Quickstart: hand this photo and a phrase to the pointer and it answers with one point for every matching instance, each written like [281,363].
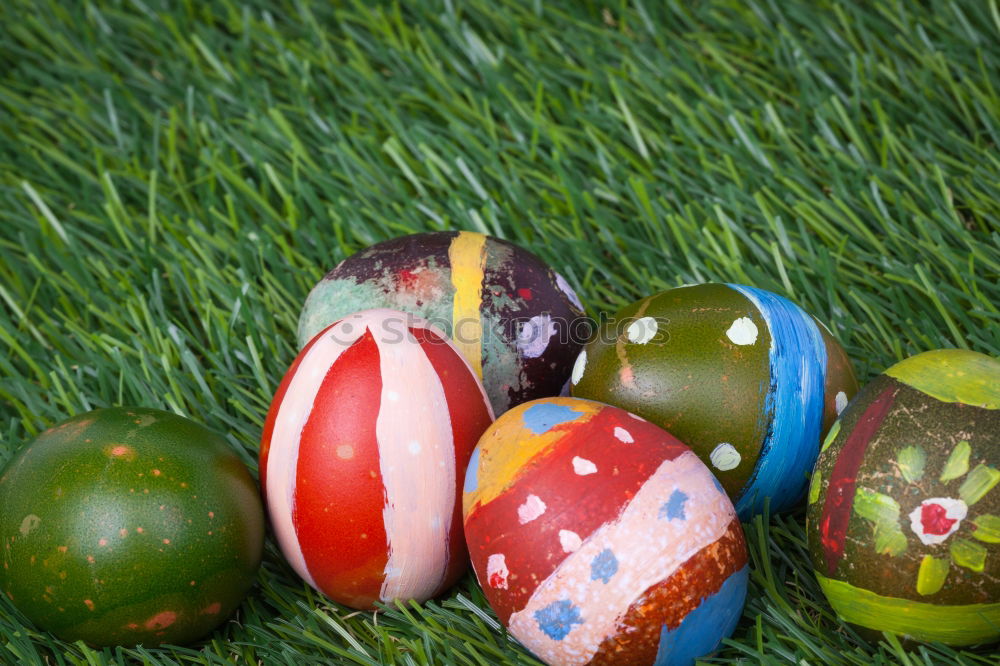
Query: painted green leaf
[957,463]
[930,577]
[889,540]
[987,528]
[911,463]
[968,554]
[979,482]
[884,512]
[832,435]
[876,507]
[814,485]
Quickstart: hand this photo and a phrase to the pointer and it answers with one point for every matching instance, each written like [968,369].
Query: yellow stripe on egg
[467,255]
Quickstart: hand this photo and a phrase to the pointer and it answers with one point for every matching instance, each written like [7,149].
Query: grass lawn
[174,177]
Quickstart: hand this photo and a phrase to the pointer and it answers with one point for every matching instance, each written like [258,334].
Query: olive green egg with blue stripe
[745,377]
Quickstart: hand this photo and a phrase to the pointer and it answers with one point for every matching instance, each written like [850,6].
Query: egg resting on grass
[904,510]
[128,525]
[744,377]
[362,459]
[599,538]
[518,323]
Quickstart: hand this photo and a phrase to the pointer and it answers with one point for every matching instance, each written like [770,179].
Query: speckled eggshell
[904,509]
[505,310]
[128,525]
[744,377]
[363,455]
[599,538]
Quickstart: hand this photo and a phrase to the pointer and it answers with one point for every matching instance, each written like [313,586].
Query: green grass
[174,180]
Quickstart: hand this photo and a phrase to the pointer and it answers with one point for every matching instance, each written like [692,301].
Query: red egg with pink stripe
[363,454]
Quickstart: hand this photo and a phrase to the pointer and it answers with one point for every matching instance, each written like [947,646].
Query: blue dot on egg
[557,619]
[603,566]
[673,508]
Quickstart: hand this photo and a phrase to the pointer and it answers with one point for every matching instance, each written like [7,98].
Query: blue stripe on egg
[794,404]
[702,630]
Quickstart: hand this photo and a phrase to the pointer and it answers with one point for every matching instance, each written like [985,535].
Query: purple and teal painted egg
[904,509]
[511,316]
[746,378]
[128,525]
[599,538]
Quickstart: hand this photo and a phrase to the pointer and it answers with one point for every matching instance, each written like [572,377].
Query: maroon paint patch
[843,479]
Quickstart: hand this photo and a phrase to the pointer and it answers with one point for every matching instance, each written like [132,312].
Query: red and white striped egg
[363,455]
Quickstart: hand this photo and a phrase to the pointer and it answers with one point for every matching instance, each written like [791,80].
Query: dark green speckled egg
[746,378]
[904,505]
[128,525]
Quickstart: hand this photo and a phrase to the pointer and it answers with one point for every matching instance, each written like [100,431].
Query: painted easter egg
[128,525]
[362,459]
[599,538]
[519,323]
[904,509]
[744,377]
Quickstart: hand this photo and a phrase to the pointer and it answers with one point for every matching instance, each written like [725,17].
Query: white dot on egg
[583,467]
[532,508]
[841,401]
[743,331]
[413,447]
[579,367]
[392,396]
[725,457]
[642,330]
[623,435]
[570,541]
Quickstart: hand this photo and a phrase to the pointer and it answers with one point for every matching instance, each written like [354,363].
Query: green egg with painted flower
[904,503]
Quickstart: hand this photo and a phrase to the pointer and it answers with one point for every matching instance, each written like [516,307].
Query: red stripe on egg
[574,503]
[339,488]
[839,501]
[293,411]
